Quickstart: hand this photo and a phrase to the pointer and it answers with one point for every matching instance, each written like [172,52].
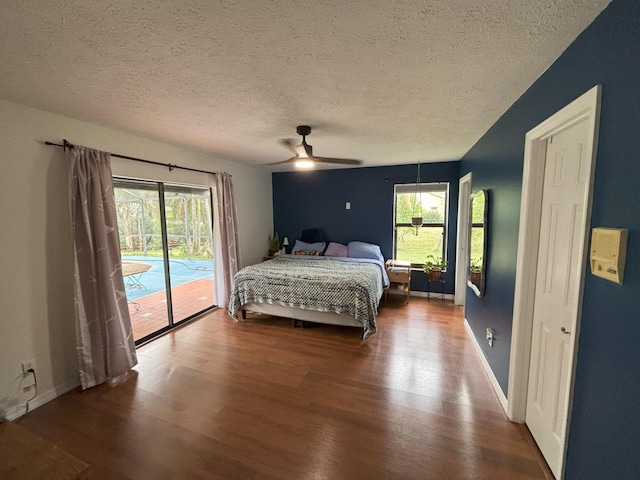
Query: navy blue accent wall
[309,199]
[604,436]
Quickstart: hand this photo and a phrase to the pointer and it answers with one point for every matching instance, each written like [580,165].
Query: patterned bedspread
[323,284]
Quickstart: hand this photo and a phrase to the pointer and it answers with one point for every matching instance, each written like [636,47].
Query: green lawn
[416,248]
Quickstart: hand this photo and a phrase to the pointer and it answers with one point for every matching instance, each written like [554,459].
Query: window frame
[401,188]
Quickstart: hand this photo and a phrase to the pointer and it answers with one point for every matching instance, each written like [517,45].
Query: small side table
[441,281]
[399,273]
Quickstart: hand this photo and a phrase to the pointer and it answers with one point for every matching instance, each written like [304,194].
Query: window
[415,243]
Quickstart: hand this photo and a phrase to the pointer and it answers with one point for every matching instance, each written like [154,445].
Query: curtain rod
[65,144]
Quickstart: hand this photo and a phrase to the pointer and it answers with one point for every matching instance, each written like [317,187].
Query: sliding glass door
[166,243]
[190,248]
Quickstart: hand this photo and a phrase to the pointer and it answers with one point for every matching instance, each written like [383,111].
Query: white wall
[36,303]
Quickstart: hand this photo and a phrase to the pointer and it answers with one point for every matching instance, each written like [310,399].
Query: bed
[322,289]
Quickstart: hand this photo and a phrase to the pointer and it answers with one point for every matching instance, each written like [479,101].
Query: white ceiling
[388,82]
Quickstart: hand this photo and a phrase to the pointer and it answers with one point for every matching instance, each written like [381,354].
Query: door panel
[557,291]
[190,242]
[143,268]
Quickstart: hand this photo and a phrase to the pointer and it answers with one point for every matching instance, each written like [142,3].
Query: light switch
[348,206]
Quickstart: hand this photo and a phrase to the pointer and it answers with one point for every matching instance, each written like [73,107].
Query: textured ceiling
[388,82]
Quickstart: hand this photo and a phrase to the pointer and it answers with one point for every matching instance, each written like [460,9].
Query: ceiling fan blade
[343,161]
[289,143]
[289,160]
[303,153]
[304,150]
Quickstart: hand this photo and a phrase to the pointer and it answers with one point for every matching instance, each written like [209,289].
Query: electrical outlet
[490,336]
[26,366]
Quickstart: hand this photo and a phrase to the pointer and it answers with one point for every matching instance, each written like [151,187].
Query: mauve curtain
[227,247]
[104,340]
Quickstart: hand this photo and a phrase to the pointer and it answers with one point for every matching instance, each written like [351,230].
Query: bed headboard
[314,235]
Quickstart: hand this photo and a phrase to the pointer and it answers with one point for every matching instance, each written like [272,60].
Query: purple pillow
[336,250]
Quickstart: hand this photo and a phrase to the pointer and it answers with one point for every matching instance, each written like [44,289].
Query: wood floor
[259,399]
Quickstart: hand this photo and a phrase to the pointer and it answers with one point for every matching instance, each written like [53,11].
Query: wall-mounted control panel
[609,253]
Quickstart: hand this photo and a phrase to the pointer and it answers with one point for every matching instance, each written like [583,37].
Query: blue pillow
[364,250]
[303,246]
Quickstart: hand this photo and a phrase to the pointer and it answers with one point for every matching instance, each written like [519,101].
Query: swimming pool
[153,280]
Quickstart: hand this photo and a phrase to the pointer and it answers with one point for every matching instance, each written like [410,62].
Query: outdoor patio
[192,290]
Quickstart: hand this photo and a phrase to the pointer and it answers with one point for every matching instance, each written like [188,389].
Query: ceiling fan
[303,153]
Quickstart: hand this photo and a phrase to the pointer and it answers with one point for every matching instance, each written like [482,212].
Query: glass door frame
[160,186]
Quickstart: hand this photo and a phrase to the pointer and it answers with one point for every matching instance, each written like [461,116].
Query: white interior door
[557,290]
[462,241]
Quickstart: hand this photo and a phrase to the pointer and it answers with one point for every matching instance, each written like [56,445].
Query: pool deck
[149,313]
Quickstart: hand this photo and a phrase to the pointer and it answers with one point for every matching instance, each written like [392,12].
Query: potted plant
[475,270]
[433,266]
[274,244]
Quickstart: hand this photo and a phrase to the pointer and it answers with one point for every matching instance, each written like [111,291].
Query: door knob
[564,330]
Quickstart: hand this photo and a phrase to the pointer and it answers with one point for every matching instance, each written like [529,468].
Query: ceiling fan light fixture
[303,157]
[304,163]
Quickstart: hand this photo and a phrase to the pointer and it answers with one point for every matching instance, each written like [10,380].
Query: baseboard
[483,360]
[42,398]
